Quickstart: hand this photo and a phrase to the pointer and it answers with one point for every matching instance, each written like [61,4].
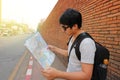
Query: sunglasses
[65,27]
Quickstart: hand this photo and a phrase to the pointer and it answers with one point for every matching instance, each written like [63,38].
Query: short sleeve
[87,49]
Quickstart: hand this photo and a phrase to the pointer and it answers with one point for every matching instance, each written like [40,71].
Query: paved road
[11,50]
[14,59]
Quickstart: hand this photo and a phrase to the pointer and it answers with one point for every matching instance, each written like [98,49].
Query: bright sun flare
[27,11]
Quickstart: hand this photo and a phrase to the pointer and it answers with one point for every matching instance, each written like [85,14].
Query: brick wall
[101,18]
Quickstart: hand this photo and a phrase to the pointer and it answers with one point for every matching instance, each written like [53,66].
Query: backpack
[101,57]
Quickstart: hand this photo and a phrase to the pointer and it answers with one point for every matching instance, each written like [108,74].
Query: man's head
[71,17]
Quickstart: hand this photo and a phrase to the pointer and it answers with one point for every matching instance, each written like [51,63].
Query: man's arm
[58,50]
[84,74]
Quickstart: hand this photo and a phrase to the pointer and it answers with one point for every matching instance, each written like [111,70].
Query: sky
[27,11]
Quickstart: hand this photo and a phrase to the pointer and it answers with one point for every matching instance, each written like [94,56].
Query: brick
[117,2]
[114,7]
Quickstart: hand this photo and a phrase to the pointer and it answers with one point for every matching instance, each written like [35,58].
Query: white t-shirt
[87,49]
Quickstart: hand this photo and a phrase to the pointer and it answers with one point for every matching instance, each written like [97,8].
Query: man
[71,23]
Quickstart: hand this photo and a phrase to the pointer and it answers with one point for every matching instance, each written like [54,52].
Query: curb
[29,69]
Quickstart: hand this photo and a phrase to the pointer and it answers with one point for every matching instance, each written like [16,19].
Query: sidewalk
[58,65]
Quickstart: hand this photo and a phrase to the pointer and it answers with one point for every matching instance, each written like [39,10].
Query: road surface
[15,58]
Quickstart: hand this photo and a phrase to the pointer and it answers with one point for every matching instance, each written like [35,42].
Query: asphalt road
[14,60]
[11,50]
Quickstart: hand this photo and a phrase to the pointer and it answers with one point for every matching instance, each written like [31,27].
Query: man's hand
[50,73]
[51,47]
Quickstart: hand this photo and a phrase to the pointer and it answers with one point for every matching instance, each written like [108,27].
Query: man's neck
[74,36]
[77,33]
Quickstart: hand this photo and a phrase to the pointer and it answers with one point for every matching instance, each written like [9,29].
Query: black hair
[71,17]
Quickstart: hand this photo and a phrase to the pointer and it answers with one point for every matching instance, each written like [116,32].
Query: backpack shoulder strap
[72,45]
[77,42]
[69,40]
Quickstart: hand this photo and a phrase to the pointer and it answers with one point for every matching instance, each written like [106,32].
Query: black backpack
[101,57]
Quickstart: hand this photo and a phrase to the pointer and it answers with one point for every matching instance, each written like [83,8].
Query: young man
[71,23]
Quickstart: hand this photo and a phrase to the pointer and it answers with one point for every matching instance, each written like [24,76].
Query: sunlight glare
[27,11]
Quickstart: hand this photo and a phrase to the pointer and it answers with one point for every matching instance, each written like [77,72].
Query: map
[38,48]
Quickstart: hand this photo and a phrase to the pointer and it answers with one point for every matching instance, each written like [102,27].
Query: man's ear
[75,26]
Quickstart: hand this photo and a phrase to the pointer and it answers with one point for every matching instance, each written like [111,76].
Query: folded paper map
[38,48]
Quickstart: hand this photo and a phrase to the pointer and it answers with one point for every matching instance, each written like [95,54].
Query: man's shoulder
[87,42]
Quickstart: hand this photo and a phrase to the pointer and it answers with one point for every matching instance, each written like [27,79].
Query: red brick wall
[101,18]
